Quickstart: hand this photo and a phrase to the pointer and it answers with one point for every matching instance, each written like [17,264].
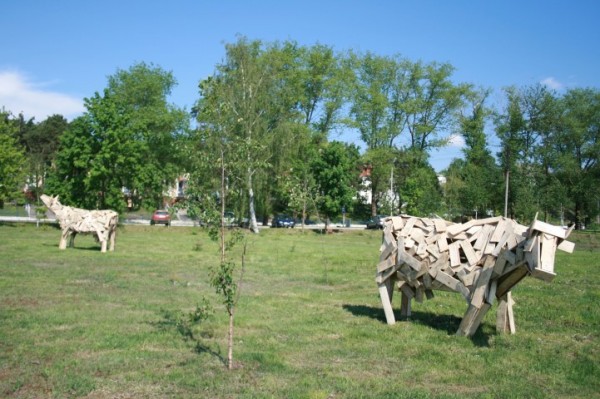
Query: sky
[56,53]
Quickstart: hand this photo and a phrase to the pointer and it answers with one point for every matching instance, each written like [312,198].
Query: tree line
[264,125]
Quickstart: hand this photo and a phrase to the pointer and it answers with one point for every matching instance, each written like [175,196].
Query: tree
[335,171]
[392,97]
[12,160]
[576,144]
[41,143]
[475,180]
[420,192]
[251,99]
[127,139]
[431,100]
[524,129]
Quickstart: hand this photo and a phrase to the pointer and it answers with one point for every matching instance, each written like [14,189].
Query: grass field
[82,324]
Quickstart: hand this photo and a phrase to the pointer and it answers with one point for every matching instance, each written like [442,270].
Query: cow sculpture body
[102,224]
[481,259]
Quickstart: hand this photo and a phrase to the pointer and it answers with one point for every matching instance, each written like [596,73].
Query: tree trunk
[253,224]
[230,342]
[373,202]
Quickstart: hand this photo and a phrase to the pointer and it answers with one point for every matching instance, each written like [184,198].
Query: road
[174,223]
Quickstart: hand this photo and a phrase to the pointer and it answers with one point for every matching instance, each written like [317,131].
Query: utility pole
[506,194]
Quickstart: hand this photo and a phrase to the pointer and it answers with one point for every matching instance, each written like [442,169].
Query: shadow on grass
[447,323]
[95,248]
[176,321]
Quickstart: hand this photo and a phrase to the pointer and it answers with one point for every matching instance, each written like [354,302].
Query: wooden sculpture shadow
[442,322]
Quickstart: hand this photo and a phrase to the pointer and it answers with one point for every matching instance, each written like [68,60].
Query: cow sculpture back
[481,259]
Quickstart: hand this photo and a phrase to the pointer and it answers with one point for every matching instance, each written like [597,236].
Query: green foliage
[335,172]
[550,152]
[12,160]
[420,191]
[223,282]
[128,138]
[473,184]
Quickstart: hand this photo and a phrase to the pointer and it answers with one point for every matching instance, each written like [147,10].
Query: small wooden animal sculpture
[102,224]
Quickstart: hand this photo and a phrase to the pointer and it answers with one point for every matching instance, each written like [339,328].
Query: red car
[161,217]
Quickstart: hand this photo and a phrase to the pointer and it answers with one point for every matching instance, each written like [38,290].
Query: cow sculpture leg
[111,235]
[64,239]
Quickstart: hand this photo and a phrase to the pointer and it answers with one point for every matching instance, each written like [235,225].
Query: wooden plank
[508,232]
[472,258]
[469,278]
[542,274]
[390,246]
[490,294]
[422,249]
[387,305]
[407,290]
[473,230]
[440,225]
[408,226]
[431,239]
[498,231]
[382,277]
[471,320]
[566,246]
[419,294]
[543,227]
[499,265]
[453,249]
[397,223]
[417,235]
[533,257]
[405,257]
[475,236]
[405,303]
[467,321]
[486,221]
[458,228]
[385,264]
[434,250]
[509,280]
[453,284]
[548,252]
[443,242]
[482,282]
[489,248]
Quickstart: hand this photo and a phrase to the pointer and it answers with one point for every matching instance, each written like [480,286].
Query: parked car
[283,221]
[229,219]
[160,216]
[376,222]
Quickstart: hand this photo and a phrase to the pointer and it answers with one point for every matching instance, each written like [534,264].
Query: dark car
[376,222]
[283,221]
[161,216]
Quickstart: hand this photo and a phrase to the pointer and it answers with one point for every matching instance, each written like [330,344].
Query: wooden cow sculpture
[102,224]
[481,259]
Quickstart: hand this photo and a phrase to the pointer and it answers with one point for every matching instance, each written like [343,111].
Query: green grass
[79,323]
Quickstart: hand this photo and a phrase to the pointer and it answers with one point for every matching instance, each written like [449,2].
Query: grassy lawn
[79,323]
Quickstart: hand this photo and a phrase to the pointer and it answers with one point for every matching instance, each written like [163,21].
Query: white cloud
[552,83]
[456,140]
[18,94]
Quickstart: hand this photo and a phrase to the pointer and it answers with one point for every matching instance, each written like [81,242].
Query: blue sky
[56,53]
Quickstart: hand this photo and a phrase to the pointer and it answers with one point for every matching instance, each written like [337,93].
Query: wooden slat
[543,227]
[472,257]
[440,225]
[453,249]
